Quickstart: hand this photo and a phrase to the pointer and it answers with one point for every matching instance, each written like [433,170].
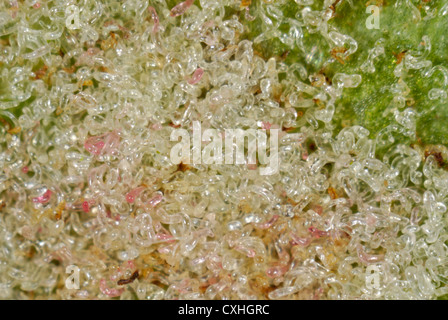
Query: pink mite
[155,18]
[156,126]
[252,166]
[197,76]
[109,291]
[317,233]
[130,198]
[277,271]
[266,125]
[94,148]
[269,223]
[155,200]
[181,8]
[43,198]
[85,206]
[25,169]
[133,194]
[102,144]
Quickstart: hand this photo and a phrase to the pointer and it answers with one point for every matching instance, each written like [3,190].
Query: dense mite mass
[91,205]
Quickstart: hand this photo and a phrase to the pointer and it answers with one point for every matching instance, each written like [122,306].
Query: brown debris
[333,6]
[312,146]
[261,284]
[87,83]
[40,73]
[131,279]
[378,3]
[183,167]
[59,210]
[332,192]
[285,55]
[318,80]
[399,56]
[245,3]
[245,207]
[172,125]
[335,53]
[11,129]
[70,70]
[110,42]
[288,130]
[58,111]
[30,254]
[437,156]
[14,130]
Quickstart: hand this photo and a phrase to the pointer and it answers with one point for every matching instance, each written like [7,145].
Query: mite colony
[86,178]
